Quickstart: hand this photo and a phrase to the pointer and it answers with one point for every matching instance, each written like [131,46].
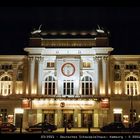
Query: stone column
[111,78]
[31,61]
[25,78]
[60,118]
[122,67]
[14,78]
[79,119]
[39,115]
[40,76]
[96,118]
[105,74]
[98,75]
[75,119]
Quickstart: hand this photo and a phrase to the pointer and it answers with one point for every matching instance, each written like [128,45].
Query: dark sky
[17,22]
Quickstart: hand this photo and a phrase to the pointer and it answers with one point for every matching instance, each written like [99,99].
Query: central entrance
[68,117]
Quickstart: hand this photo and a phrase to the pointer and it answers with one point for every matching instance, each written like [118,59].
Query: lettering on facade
[46,104]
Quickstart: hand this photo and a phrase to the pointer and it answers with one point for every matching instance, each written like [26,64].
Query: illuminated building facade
[69,76]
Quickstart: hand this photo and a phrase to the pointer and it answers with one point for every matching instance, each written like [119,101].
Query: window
[117,76]
[131,67]
[116,67]
[6,86]
[19,76]
[3,114]
[50,64]
[86,64]
[50,86]
[68,87]
[87,85]
[131,85]
[6,67]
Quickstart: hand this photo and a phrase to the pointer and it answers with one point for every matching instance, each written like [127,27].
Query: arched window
[68,87]
[87,85]
[50,86]
[131,85]
[6,85]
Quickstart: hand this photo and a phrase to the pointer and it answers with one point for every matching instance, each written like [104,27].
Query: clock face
[68,69]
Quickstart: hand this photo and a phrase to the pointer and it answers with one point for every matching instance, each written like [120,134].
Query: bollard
[21,125]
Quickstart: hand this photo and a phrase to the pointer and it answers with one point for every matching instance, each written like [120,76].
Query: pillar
[14,78]
[40,76]
[79,119]
[75,118]
[39,115]
[122,67]
[96,118]
[31,61]
[98,75]
[105,74]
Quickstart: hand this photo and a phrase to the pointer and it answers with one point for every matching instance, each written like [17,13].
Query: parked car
[5,126]
[42,126]
[113,127]
[136,127]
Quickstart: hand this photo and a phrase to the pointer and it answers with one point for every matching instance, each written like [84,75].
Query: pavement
[62,130]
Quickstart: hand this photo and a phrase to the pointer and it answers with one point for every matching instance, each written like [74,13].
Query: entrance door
[87,119]
[68,117]
[18,120]
[49,118]
[117,118]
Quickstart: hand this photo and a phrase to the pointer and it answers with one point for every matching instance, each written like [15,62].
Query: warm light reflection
[34,91]
[117,111]
[125,118]
[27,91]
[69,103]
[109,91]
[102,91]
[19,110]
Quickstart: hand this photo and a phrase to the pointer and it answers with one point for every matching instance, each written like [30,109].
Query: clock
[68,69]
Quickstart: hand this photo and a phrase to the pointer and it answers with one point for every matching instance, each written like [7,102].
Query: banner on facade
[63,104]
[26,103]
[104,103]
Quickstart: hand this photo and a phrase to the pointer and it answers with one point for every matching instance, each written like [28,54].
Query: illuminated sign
[117,111]
[104,103]
[66,104]
[26,104]
[19,110]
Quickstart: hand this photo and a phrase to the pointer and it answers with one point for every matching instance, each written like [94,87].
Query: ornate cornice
[61,42]
[68,43]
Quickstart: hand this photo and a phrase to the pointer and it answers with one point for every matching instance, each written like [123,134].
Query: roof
[69,38]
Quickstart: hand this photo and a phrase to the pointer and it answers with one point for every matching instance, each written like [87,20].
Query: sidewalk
[62,130]
[77,130]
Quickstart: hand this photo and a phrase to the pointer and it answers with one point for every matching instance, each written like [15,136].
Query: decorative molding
[31,59]
[68,43]
[39,59]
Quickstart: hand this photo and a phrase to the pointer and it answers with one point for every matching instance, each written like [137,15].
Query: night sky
[16,23]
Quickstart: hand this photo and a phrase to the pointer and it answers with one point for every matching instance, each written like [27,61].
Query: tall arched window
[87,85]
[50,86]
[6,85]
[131,86]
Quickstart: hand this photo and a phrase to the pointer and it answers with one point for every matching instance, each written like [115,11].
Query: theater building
[69,76]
